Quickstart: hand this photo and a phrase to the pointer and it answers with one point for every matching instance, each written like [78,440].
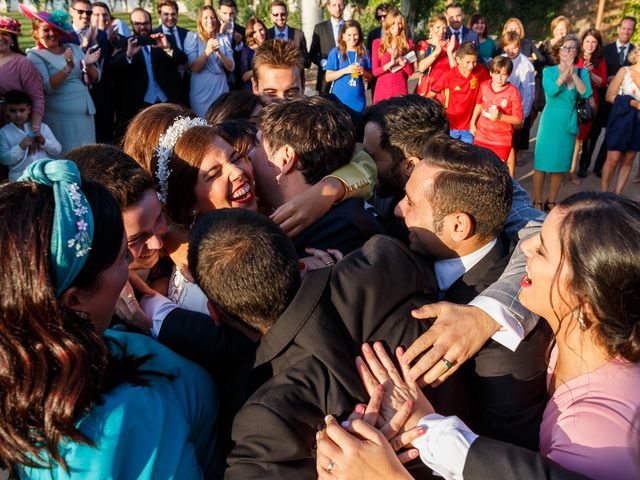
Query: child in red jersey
[498,109]
[457,90]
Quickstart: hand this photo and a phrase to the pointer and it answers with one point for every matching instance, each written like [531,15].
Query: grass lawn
[26,40]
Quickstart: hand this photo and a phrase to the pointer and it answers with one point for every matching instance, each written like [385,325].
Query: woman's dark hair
[555,50]
[605,272]
[238,104]
[15,46]
[475,18]
[240,134]
[55,365]
[596,58]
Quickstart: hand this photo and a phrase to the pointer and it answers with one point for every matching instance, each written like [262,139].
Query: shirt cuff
[445,446]
[511,332]
[156,307]
[239,46]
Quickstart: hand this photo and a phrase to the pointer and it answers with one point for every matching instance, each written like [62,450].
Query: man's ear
[408,164]
[254,86]
[215,313]
[289,159]
[463,226]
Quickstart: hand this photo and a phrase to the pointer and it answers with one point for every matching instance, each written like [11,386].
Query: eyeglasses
[569,49]
[80,12]
[140,24]
[282,15]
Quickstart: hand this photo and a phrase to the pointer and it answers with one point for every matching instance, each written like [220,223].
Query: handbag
[586,110]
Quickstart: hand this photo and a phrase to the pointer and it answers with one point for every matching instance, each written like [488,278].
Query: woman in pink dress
[387,58]
[18,73]
[588,290]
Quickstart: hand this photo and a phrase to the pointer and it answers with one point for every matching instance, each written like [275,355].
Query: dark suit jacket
[490,459]
[345,227]
[612,57]
[296,37]
[131,81]
[185,74]
[507,390]
[303,368]
[468,35]
[321,44]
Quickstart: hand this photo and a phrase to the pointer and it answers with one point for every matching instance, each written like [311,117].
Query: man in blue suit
[455,16]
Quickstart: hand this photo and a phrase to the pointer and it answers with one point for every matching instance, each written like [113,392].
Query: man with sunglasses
[381,13]
[282,31]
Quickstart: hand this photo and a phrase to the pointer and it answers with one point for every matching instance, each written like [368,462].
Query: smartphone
[144,41]
[94,48]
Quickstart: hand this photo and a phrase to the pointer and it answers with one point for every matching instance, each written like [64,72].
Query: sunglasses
[380,17]
[80,12]
[282,15]
[568,49]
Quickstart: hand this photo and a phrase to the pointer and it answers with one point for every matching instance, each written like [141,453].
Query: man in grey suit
[282,31]
[325,38]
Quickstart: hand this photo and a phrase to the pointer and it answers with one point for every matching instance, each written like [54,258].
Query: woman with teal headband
[79,400]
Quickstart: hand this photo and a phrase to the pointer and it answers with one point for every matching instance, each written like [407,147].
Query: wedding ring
[330,262]
[330,466]
[447,363]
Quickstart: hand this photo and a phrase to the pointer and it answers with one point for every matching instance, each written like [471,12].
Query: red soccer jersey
[508,102]
[458,94]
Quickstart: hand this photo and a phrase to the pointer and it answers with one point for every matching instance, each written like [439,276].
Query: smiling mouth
[243,194]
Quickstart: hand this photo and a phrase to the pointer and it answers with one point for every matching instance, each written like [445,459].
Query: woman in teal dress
[80,401]
[562,84]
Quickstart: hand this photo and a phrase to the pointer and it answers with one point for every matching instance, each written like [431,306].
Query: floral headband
[164,150]
[72,231]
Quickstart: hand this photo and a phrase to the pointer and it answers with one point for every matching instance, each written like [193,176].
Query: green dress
[558,127]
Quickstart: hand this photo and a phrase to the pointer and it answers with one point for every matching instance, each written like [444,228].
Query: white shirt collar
[449,270]
[618,45]
[334,22]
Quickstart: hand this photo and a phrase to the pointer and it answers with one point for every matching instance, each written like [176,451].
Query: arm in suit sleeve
[196,337]
[303,49]
[489,459]
[314,52]
[177,56]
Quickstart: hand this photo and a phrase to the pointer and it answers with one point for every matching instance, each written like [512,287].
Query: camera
[143,41]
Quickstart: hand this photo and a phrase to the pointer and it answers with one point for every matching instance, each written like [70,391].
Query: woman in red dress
[435,55]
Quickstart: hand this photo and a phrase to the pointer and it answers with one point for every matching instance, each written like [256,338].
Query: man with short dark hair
[145,73]
[457,29]
[282,31]
[457,200]
[227,12]
[325,38]
[295,154]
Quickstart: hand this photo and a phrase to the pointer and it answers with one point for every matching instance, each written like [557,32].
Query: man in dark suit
[145,74]
[90,36]
[227,10]
[616,55]
[168,14]
[296,154]
[455,18]
[325,38]
[460,231]
[282,31]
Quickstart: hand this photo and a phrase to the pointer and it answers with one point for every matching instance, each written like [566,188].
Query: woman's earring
[578,314]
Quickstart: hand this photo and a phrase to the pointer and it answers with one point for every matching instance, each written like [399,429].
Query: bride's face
[225,180]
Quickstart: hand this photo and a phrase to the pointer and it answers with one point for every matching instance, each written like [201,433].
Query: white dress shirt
[625,46]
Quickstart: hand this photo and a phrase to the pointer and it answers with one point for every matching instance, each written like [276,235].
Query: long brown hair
[388,40]
[250,29]
[361,51]
[201,32]
[596,58]
[54,364]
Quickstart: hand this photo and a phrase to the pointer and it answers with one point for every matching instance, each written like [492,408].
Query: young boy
[19,145]
[457,90]
[498,109]
[523,78]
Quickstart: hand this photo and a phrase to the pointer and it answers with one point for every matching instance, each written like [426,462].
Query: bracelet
[66,70]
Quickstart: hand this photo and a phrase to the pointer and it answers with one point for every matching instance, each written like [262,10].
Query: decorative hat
[9,25]
[58,19]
